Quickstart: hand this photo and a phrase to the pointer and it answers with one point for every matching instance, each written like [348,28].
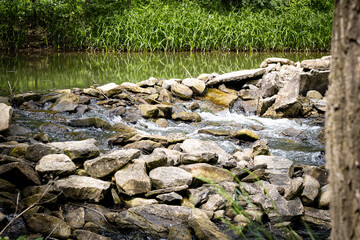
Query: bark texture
[343,121]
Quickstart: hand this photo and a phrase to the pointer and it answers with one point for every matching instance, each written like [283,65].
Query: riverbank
[163,186]
[167,25]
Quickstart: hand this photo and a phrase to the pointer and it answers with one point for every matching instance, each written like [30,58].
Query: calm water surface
[21,73]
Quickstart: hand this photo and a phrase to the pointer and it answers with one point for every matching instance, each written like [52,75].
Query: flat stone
[83,149]
[204,157]
[75,216]
[136,202]
[132,179]
[207,172]
[177,137]
[317,64]
[179,232]
[173,156]
[132,87]
[239,76]
[148,83]
[313,94]
[5,117]
[186,116]
[108,163]
[170,198]
[146,146]
[325,197]
[154,160]
[291,132]
[56,164]
[83,188]
[165,177]
[214,202]
[20,174]
[282,61]
[318,217]
[220,98]
[314,80]
[109,89]
[167,190]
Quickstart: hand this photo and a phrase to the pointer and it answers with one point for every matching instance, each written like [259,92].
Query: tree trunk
[343,121]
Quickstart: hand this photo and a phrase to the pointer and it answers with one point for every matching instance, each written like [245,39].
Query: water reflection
[22,73]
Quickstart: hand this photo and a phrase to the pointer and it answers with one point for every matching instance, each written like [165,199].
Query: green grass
[168,26]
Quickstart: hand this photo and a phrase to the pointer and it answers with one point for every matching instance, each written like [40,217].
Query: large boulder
[219,97]
[83,188]
[238,77]
[173,156]
[165,177]
[83,149]
[314,80]
[154,219]
[196,85]
[199,146]
[207,172]
[5,117]
[146,146]
[132,179]
[56,164]
[48,225]
[108,163]
[182,91]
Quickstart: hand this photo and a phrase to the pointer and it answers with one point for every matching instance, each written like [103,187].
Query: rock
[254,176]
[6,186]
[19,99]
[204,171]
[132,179]
[87,235]
[220,98]
[156,159]
[167,84]
[52,128]
[148,83]
[196,85]
[83,188]
[203,227]
[148,111]
[282,61]
[259,147]
[287,99]
[177,137]
[132,87]
[198,146]
[109,89]
[18,130]
[108,163]
[118,111]
[67,102]
[170,198]
[186,116]
[318,172]
[46,224]
[84,149]
[135,202]
[238,77]
[214,202]
[173,156]
[317,64]
[146,146]
[167,190]
[193,106]
[179,233]
[164,177]
[291,132]
[311,189]
[241,156]
[162,122]
[318,217]
[5,117]
[205,157]
[319,105]
[325,197]
[264,104]
[245,135]
[90,122]
[215,132]
[20,174]
[56,164]
[181,91]
[250,94]
[270,84]
[38,150]
[75,216]
[314,80]
[155,219]
[294,188]
[198,196]
[313,94]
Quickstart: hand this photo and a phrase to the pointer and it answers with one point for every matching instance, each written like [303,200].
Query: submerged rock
[5,117]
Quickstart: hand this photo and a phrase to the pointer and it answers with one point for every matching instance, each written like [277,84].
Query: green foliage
[151,25]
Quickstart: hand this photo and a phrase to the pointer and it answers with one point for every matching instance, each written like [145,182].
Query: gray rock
[167,84]
[5,117]
[214,202]
[146,146]
[67,102]
[259,147]
[75,216]
[164,177]
[282,61]
[325,197]
[135,202]
[132,87]
[310,190]
[291,132]
[177,137]
[90,122]
[314,80]
[166,190]
[20,174]
[182,91]
[198,146]
[196,85]
[46,224]
[56,164]
[264,104]
[38,150]
[318,217]
[154,160]
[204,171]
[52,128]
[106,164]
[151,82]
[109,89]
[250,94]
[88,235]
[198,196]
[203,227]
[294,188]
[173,156]
[205,157]
[186,116]
[313,94]
[239,76]
[269,84]
[84,149]
[155,219]
[132,179]
[83,188]
[170,198]
[317,64]
[319,105]
[20,98]
[179,233]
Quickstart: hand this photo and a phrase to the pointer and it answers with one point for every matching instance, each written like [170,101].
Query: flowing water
[69,70]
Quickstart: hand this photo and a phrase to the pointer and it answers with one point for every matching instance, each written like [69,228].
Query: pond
[28,72]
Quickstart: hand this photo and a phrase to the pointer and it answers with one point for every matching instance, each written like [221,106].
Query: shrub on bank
[129,25]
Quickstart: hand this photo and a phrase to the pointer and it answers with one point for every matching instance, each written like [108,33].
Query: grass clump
[152,25]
